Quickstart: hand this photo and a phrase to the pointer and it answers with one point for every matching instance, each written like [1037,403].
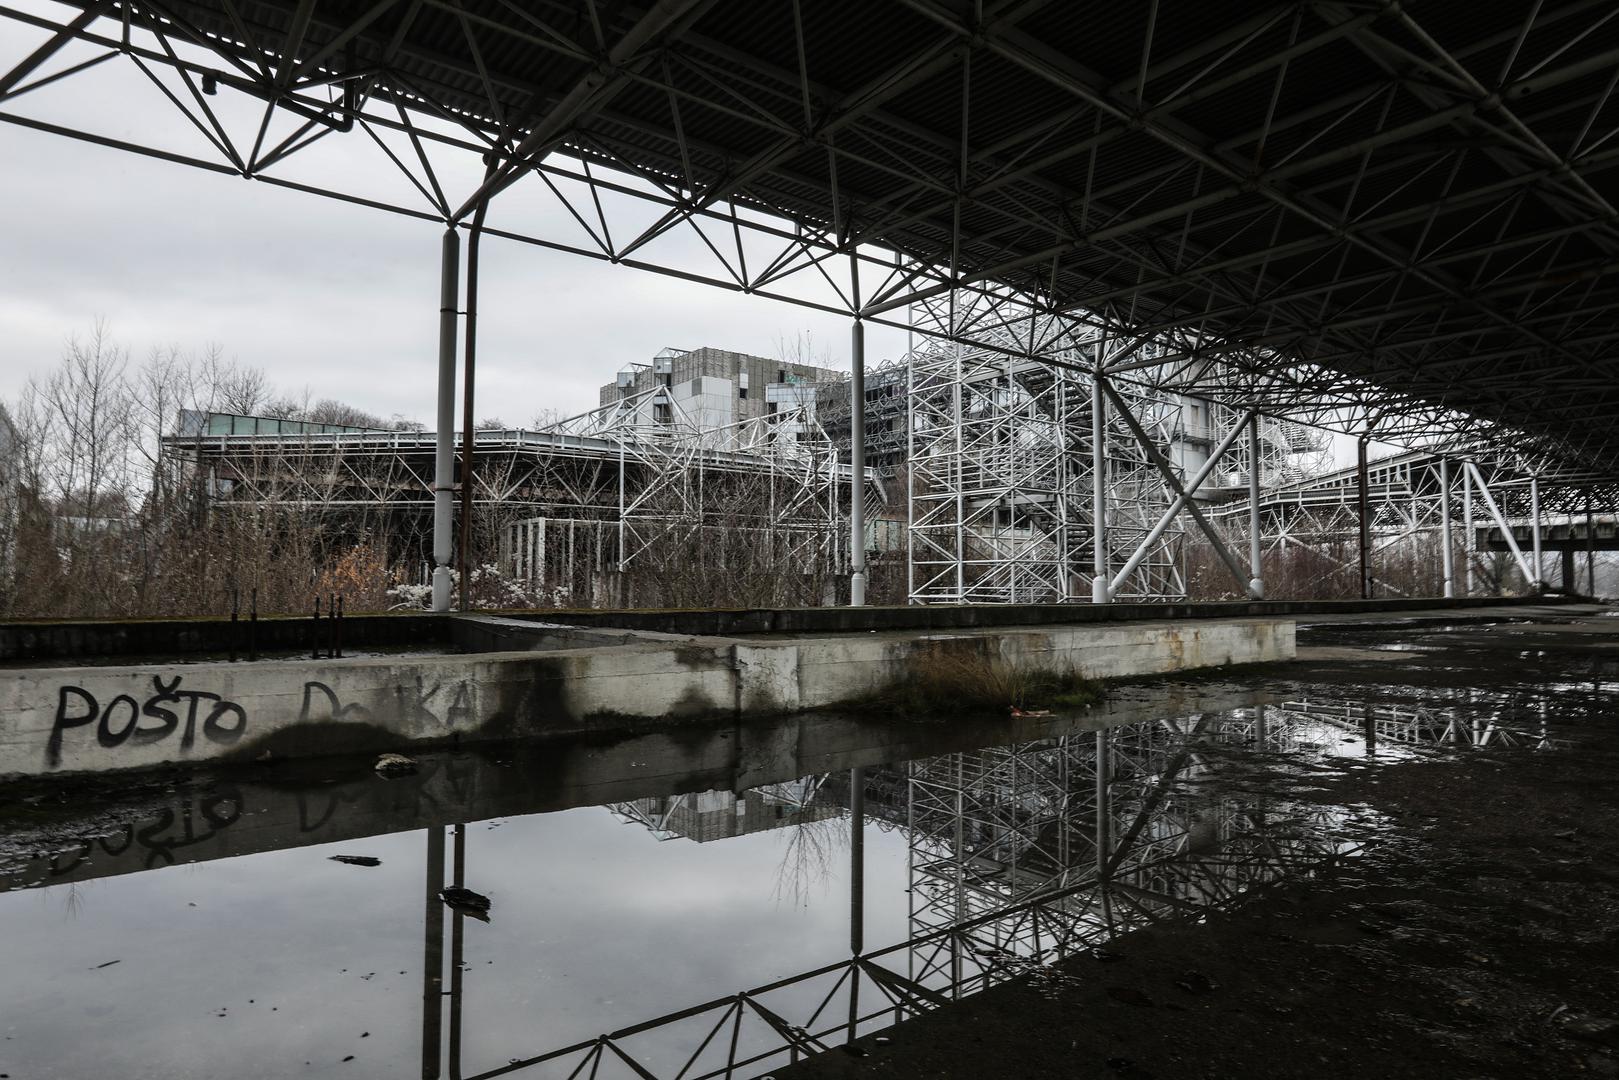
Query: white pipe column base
[443,586]
[1256,589]
[1099,590]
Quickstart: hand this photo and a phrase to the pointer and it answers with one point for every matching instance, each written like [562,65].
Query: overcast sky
[328,296]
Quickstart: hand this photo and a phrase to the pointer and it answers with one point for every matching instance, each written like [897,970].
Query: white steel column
[1500,520]
[857,466]
[1590,549]
[1444,527]
[910,459]
[1467,532]
[959,442]
[1099,584]
[1534,524]
[444,448]
[623,560]
[1256,583]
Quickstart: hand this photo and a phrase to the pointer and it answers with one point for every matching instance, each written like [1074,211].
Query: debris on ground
[357,860]
[1195,982]
[390,765]
[467,902]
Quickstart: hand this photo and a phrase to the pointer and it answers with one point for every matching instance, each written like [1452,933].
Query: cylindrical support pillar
[1467,532]
[1099,568]
[623,560]
[1590,551]
[1104,773]
[1365,532]
[458,874]
[857,465]
[433,959]
[1534,525]
[444,451]
[1256,576]
[469,377]
[1446,557]
[857,860]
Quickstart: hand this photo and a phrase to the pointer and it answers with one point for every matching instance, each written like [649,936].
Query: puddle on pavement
[862,874]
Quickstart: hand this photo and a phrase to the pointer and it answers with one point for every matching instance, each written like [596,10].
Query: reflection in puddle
[1396,728]
[887,883]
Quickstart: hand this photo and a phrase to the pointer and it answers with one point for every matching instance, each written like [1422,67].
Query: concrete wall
[73,641]
[820,620]
[93,719]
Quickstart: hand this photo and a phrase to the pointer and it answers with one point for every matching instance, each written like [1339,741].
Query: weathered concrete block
[91,719]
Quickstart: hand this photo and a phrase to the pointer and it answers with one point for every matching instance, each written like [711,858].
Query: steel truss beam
[1430,244]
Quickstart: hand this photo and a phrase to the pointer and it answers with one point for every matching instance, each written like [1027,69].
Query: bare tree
[108,521]
[166,383]
[802,348]
[287,406]
[237,389]
[332,411]
[88,401]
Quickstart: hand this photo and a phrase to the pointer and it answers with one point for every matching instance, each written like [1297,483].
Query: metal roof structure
[1384,216]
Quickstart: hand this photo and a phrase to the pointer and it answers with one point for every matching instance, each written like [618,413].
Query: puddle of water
[645,923]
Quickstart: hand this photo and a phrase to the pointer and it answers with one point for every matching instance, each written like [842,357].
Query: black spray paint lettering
[335,709]
[414,707]
[121,720]
[191,820]
[321,702]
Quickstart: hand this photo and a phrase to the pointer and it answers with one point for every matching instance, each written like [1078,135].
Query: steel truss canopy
[1394,218]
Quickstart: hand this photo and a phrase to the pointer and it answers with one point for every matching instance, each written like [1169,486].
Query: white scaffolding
[771,479]
[1002,476]
[568,509]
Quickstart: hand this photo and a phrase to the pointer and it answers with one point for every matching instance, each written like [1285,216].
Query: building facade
[715,388]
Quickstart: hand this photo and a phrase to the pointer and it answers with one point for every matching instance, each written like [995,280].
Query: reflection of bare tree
[810,851]
[72,902]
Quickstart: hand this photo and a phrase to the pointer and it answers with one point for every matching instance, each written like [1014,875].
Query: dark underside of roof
[1417,195]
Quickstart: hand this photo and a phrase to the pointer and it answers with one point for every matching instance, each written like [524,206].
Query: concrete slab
[94,719]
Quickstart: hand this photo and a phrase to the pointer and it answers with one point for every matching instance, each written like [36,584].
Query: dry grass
[945,681]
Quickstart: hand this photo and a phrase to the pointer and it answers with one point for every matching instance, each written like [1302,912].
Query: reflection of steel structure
[1012,866]
[1105,824]
[714,815]
[1019,855]
[1425,724]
